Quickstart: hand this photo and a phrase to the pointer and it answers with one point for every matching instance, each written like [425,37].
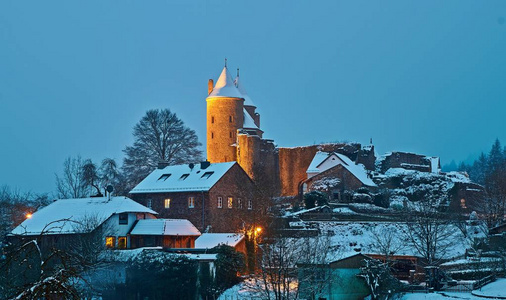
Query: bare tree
[430,232]
[159,136]
[388,241]
[279,278]
[71,184]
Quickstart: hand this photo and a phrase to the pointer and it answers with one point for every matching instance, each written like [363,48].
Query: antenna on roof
[370,141]
[225,62]
[237,72]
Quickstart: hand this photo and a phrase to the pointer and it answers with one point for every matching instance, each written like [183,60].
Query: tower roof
[225,86]
[240,87]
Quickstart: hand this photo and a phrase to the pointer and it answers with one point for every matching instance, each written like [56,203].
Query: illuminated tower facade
[225,106]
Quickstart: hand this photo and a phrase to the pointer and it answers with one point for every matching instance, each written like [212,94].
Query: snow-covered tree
[160,136]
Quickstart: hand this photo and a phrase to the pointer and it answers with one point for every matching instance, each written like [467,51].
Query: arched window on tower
[212,119]
[230,119]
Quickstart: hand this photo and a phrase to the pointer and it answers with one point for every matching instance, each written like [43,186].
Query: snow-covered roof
[77,215]
[211,240]
[248,121]
[165,227]
[240,87]
[323,161]
[225,86]
[318,158]
[181,178]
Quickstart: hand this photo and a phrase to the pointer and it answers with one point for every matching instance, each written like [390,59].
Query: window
[463,203]
[230,202]
[230,133]
[250,204]
[122,242]
[239,203]
[149,203]
[206,175]
[123,219]
[184,176]
[212,119]
[220,202]
[164,177]
[212,135]
[167,203]
[230,119]
[109,242]
[191,202]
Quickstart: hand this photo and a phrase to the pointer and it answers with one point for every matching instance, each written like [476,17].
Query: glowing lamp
[258,230]
[28,215]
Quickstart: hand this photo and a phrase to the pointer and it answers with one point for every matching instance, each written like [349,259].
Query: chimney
[204,165]
[210,85]
[162,164]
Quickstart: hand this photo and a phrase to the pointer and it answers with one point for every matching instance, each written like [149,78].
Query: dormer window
[164,177]
[184,176]
[206,175]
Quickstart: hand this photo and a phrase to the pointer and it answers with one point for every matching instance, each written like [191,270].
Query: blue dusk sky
[420,76]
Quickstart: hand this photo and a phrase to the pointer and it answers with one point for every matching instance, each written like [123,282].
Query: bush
[314,198]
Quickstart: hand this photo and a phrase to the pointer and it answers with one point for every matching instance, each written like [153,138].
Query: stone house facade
[217,197]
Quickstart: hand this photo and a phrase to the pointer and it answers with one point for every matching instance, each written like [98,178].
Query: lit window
[207,175]
[191,202]
[167,203]
[149,203]
[220,202]
[164,177]
[123,219]
[239,203]
[122,242]
[463,203]
[109,242]
[250,204]
[230,202]
[184,176]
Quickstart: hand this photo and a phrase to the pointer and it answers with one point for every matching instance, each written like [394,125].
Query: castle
[234,134]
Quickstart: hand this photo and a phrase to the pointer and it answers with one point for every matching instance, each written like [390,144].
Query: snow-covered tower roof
[225,86]
[240,87]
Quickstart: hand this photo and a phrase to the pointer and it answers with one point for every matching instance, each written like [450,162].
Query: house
[335,173]
[166,233]
[334,280]
[215,197]
[65,220]
[211,240]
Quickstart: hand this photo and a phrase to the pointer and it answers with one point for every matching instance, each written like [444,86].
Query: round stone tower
[225,116]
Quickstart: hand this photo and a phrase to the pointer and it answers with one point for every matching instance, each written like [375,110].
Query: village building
[215,197]
[63,222]
[335,174]
[210,240]
[166,233]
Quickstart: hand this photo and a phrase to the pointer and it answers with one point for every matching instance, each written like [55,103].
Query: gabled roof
[358,170]
[67,216]
[249,123]
[181,178]
[171,227]
[225,86]
[211,240]
[240,87]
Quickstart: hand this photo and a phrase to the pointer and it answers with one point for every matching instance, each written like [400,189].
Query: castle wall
[293,163]
[259,159]
[224,117]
